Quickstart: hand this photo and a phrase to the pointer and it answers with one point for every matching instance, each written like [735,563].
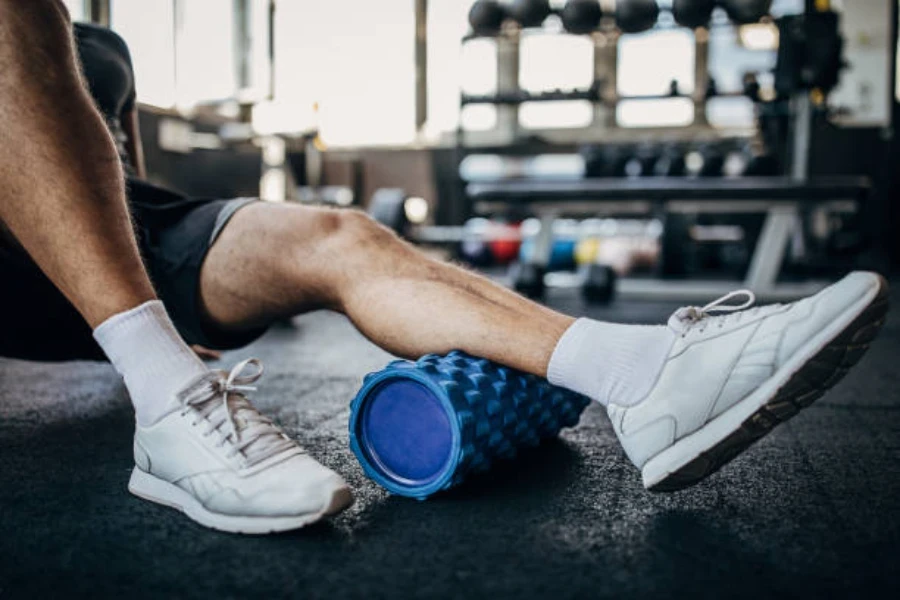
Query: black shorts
[174,233]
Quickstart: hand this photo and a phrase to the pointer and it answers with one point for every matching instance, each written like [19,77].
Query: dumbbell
[486,17]
[605,161]
[706,161]
[562,254]
[635,16]
[423,427]
[581,16]
[671,163]
[505,242]
[599,286]
[529,13]
[744,12]
[528,279]
[693,13]
[761,163]
[473,248]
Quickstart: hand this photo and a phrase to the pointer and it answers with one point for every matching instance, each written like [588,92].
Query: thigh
[176,238]
[271,261]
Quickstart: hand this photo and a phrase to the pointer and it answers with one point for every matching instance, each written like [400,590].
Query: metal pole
[98,12]
[701,74]
[508,81]
[421,56]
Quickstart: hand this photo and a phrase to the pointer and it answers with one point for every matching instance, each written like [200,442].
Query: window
[729,60]
[648,63]
[353,61]
[549,61]
[76,9]
[454,66]
[731,112]
[149,29]
[655,112]
[185,52]
[205,46]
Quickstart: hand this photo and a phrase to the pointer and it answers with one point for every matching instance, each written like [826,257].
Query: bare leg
[276,260]
[61,187]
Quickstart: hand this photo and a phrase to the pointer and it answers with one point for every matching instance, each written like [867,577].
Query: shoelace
[692,315]
[218,398]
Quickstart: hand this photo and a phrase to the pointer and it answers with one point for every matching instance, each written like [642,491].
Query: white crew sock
[610,362]
[148,352]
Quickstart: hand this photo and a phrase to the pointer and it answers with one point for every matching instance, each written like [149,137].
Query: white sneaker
[226,466]
[729,379]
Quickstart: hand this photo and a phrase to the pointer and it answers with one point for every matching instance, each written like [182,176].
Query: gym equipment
[562,254]
[505,243]
[423,427]
[647,156]
[388,207]
[605,161]
[587,250]
[581,16]
[693,13]
[599,284]
[761,164]
[473,247]
[486,17]
[705,161]
[529,13]
[636,16]
[744,12]
[670,164]
[528,279]
[810,52]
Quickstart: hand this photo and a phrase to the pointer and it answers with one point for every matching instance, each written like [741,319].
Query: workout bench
[781,198]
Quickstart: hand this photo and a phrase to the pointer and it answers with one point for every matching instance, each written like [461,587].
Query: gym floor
[813,510]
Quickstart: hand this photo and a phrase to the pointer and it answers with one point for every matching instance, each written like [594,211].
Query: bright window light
[759,36]
[448,64]
[479,67]
[663,112]
[76,9]
[729,60]
[149,29]
[205,60]
[731,112]
[479,117]
[355,60]
[553,114]
[548,61]
[648,62]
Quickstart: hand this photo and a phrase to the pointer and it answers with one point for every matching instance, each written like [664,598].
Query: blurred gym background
[616,159]
[654,149]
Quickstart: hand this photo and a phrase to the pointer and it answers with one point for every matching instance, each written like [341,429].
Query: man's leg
[684,398]
[61,186]
[276,260]
[62,197]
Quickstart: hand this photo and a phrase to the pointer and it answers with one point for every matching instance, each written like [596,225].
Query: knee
[351,230]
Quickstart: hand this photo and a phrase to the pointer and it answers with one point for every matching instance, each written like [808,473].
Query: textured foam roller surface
[421,427]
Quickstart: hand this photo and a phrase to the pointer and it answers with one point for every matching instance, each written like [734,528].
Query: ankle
[610,362]
[145,348]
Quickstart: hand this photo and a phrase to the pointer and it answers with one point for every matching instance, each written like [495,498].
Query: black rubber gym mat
[813,510]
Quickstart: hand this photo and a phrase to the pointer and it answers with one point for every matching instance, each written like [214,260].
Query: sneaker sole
[147,486]
[797,385]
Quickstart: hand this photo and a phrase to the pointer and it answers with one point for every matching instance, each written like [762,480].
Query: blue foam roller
[421,427]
